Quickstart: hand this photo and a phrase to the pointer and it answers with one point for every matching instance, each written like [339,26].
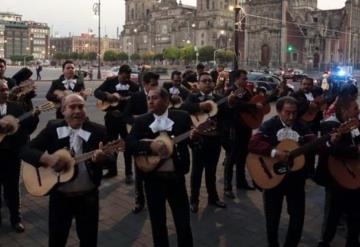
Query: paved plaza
[241,224]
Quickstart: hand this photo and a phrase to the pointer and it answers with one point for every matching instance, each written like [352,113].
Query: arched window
[207,4]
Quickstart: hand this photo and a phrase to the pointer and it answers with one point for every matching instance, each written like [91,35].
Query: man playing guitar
[114,117]
[206,152]
[10,148]
[284,126]
[339,200]
[78,198]
[178,93]
[236,133]
[68,81]
[167,181]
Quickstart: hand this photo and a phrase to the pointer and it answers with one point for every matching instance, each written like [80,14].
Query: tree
[206,53]
[92,56]
[159,56]
[110,56]
[135,57]
[122,56]
[187,53]
[171,53]
[74,55]
[148,56]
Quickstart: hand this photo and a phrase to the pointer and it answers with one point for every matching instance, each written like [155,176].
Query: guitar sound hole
[281,168]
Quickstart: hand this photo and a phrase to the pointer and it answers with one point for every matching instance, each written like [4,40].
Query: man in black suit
[67,81]
[178,93]
[78,198]
[167,181]
[340,201]
[9,153]
[136,106]
[114,118]
[10,82]
[205,153]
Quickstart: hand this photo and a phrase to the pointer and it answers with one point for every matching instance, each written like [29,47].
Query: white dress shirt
[161,123]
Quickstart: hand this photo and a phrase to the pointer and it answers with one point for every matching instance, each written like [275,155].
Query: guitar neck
[222,101]
[181,137]
[308,146]
[83,157]
[25,116]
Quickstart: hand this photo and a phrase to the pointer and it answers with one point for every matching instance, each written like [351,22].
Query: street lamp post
[96,9]
[25,56]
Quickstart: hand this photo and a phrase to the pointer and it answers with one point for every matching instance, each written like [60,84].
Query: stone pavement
[241,224]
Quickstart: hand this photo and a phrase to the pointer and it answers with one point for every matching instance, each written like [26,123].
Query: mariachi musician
[114,117]
[167,181]
[236,133]
[10,147]
[10,82]
[68,81]
[178,92]
[339,200]
[137,105]
[206,151]
[284,126]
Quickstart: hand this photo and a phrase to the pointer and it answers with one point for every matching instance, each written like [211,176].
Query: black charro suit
[114,118]
[162,186]
[63,207]
[137,105]
[206,152]
[339,201]
[10,162]
[59,85]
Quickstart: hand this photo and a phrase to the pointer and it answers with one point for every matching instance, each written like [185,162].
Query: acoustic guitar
[104,104]
[148,163]
[254,117]
[63,93]
[268,172]
[14,122]
[39,181]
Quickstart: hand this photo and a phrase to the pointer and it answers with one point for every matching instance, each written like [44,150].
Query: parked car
[114,71]
[266,81]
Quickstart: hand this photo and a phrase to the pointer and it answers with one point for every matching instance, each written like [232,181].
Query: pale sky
[76,16]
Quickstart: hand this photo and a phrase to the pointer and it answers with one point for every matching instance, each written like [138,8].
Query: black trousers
[205,156]
[292,189]
[139,187]
[117,126]
[62,210]
[9,181]
[338,202]
[162,187]
[236,151]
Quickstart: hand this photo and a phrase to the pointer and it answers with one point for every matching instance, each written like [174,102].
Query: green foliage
[110,56]
[187,53]
[159,56]
[135,57]
[171,53]
[122,56]
[148,56]
[206,53]
[20,58]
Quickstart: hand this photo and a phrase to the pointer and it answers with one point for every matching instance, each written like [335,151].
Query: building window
[207,4]
[294,56]
[315,19]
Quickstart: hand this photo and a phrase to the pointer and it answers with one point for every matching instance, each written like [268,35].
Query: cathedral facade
[274,33]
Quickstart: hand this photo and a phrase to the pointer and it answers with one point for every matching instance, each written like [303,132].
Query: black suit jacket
[47,140]
[137,105]
[11,145]
[109,86]
[141,130]
[11,82]
[58,85]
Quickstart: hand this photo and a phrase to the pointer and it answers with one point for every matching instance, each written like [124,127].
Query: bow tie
[161,123]
[70,84]
[3,109]
[122,87]
[66,131]
[174,91]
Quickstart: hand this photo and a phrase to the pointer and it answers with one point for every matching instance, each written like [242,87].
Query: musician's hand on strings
[259,106]
[281,155]
[99,154]
[205,106]
[5,126]
[160,149]
[335,137]
[54,161]
[111,98]
[195,134]
[175,99]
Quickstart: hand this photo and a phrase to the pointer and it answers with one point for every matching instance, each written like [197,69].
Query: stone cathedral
[292,33]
